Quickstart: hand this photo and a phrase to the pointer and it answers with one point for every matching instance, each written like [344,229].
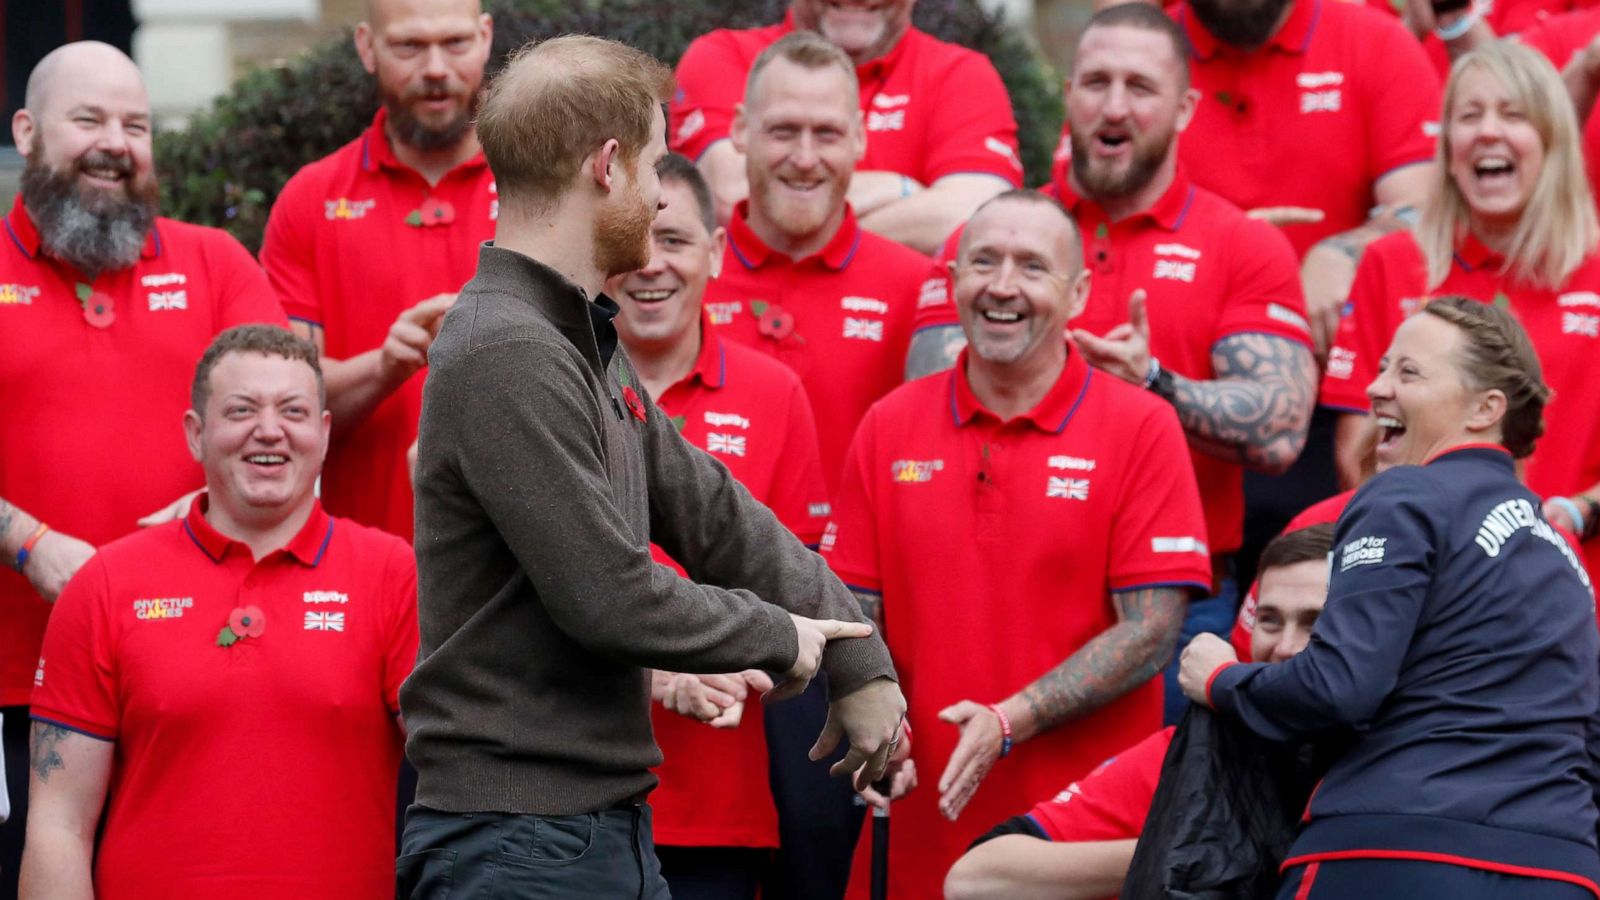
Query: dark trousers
[1364,879]
[15,748]
[818,821]
[713,873]
[606,855]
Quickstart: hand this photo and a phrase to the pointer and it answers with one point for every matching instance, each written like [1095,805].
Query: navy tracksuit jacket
[1459,640]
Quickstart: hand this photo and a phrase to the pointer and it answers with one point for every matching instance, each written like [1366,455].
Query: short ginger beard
[622,234]
[1245,25]
[92,229]
[1106,185]
[408,129]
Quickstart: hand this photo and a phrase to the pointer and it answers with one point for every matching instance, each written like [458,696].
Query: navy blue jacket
[1459,641]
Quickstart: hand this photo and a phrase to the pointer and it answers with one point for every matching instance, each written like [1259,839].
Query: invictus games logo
[17,294]
[915,471]
[162,608]
[346,209]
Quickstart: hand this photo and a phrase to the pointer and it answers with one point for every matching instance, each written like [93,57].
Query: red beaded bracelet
[1005,729]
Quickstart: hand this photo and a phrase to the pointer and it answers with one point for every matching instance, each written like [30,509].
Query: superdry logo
[346,209]
[1287,316]
[863,305]
[890,101]
[1365,551]
[1314,80]
[168,300]
[324,621]
[1579,298]
[935,292]
[1173,270]
[724,420]
[726,444]
[165,280]
[1177,250]
[914,471]
[723,313]
[863,329]
[326,597]
[1320,101]
[17,294]
[1182,544]
[162,608]
[1067,488]
[1071,462]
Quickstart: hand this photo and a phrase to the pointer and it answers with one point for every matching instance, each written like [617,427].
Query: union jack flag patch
[729,444]
[1067,488]
[325,621]
[863,329]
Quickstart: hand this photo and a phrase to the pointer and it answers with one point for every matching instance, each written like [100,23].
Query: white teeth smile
[649,296]
[1388,422]
[1495,166]
[996,316]
[104,174]
[266,459]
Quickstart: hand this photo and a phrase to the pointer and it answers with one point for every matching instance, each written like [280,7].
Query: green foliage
[226,168]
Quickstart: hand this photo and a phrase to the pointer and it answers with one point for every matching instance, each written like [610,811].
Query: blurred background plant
[227,165]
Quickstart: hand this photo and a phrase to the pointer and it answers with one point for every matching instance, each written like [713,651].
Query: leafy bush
[226,168]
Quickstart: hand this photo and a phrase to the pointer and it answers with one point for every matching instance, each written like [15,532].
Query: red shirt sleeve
[711,77]
[1158,536]
[400,588]
[77,681]
[1264,294]
[288,253]
[850,543]
[976,131]
[936,302]
[244,295]
[799,496]
[1111,802]
[1244,626]
[1403,102]
[1370,320]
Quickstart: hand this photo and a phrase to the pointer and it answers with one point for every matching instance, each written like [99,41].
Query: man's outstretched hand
[813,636]
[872,718]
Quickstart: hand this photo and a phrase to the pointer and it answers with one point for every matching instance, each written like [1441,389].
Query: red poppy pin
[635,405]
[433,211]
[244,622]
[773,321]
[97,308]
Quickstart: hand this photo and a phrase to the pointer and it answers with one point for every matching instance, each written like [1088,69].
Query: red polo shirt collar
[711,365]
[22,232]
[307,546]
[1168,211]
[1473,254]
[1293,37]
[753,253]
[1052,413]
[376,152]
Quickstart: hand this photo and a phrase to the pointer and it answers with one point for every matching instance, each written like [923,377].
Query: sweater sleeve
[707,521]
[1384,557]
[534,458]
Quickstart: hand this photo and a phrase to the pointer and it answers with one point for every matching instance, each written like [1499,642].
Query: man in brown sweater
[544,471]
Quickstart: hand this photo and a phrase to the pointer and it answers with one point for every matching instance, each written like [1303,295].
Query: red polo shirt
[1558,38]
[263,769]
[932,109]
[92,418]
[1319,513]
[996,546]
[752,415]
[1208,273]
[1110,803]
[1339,97]
[851,306]
[343,253]
[1564,325]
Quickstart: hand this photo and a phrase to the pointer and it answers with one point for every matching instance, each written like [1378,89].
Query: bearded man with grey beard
[104,308]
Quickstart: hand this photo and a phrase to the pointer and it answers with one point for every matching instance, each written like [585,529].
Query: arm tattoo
[1114,662]
[43,755]
[7,513]
[871,607]
[1258,408]
[933,350]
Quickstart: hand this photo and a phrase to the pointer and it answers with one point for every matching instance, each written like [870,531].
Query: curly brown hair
[267,340]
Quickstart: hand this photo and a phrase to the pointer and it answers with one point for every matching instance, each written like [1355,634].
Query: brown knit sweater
[538,492]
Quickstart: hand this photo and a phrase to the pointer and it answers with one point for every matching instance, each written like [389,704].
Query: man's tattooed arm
[1258,408]
[1114,662]
[934,349]
[45,749]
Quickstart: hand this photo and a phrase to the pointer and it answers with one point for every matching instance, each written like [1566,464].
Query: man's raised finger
[834,629]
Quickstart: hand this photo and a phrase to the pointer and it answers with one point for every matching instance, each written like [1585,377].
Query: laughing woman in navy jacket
[1458,641]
